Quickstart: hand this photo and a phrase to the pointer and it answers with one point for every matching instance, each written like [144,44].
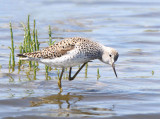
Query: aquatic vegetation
[34,71]
[86,70]
[152,73]
[48,68]
[0,67]
[9,62]
[30,44]
[50,37]
[37,43]
[12,56]
[98,75]
[34,37]
[20,51]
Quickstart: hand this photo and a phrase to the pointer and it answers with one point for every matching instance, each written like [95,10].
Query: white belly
[66,61]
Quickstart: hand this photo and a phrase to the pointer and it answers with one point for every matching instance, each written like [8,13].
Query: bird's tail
[23,57]
[29,56]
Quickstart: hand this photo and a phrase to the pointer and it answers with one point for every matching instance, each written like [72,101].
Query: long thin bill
[113,66]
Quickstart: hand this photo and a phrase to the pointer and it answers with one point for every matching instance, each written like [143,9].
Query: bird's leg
[71,78]
[70,70]
[59,81]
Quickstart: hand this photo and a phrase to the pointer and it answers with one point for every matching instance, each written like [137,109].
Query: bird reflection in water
[72,108]
[58,99]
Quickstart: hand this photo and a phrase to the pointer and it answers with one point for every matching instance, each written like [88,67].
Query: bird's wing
[57,50]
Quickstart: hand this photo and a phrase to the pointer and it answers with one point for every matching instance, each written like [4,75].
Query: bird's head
[110,56]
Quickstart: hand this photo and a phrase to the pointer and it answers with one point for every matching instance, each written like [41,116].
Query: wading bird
[71,52]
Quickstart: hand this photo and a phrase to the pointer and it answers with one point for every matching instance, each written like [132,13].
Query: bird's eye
[110,55]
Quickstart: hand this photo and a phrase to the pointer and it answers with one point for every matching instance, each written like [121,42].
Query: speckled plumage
[68,52]
[71,52]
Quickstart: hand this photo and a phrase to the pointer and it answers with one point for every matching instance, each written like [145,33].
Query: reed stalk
[98,74]
[9,62]
[46,68]
[20,51]
[29,34]
[86,70]
[58,73]
[50,42]
[12,46]
[34,69]
[34,36]
[50,36]
[37,43]
[25,39]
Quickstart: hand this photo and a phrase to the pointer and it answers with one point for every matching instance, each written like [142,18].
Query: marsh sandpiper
[71,52]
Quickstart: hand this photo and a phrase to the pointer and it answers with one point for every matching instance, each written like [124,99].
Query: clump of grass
[30,44]
[48,68]
[12,56]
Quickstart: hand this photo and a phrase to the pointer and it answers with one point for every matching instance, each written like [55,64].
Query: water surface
[132,27]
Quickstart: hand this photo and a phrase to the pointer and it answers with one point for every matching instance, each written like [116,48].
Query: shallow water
[132,28]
